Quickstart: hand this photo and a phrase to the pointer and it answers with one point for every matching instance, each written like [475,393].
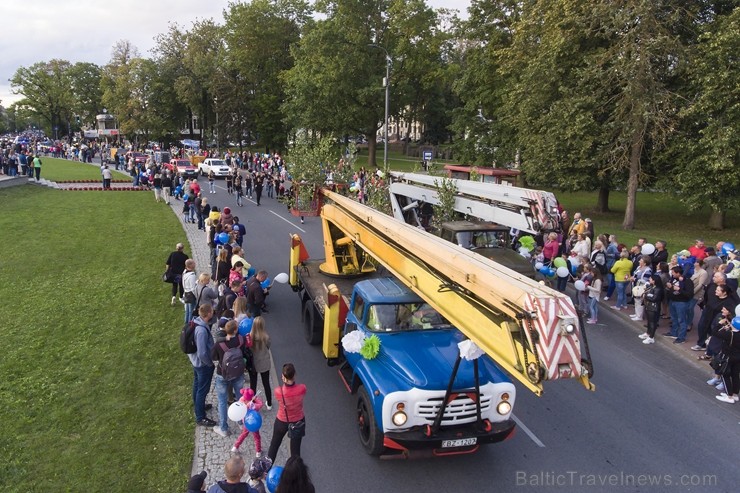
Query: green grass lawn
[659,216]
[63,169]
[95,391]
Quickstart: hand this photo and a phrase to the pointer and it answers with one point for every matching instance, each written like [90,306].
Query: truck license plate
[462,442]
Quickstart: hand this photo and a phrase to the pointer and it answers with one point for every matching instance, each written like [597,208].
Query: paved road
[652,418]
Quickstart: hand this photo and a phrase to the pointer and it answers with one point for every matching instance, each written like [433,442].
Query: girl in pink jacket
[253,404]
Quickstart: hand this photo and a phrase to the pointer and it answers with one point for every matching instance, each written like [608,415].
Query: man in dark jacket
[175,266]
[679,291]
[716,296]
[256,294]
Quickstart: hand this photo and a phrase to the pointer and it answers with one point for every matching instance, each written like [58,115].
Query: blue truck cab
[418,367]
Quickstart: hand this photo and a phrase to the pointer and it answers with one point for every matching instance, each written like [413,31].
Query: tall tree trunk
[371,148]
[717,220]
[635,154]
[602,203]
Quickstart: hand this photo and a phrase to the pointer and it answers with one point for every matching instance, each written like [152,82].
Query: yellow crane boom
[530,330]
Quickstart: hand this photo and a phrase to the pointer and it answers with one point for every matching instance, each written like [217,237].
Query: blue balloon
[573,269]
[253,421]
[251,271]
[545,270]
[266,283]
[245,326]
[223,238]
[273,478]
[551,272]
[736,323]
[727,248]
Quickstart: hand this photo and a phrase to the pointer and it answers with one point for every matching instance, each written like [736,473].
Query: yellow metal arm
[530,330]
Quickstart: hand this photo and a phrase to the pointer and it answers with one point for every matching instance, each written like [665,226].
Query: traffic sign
[427,155]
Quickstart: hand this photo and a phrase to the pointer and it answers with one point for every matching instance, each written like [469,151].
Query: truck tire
[312,330]
[370,436]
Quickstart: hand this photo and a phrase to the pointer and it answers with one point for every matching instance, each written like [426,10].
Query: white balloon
[648,249]
[523,250]
[538,265]
[281,278]
[737,310]
[580,285]
[237,411]
[563,272]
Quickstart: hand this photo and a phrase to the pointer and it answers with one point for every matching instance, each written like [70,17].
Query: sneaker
[720,386]
[669,335]
[615,307]
[725,398]
[218,431]
[268,407]
[301,221]
[606,298]
[635,318]
[648,340]
[234,449]
[679,341]
[697,348]
[206,422]
[174,300]
[736,398]
[644,335]
[714,381]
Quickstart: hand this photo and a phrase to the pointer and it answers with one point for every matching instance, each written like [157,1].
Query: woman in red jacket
[290,412]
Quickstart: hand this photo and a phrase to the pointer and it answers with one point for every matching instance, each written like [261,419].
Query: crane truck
[447,324]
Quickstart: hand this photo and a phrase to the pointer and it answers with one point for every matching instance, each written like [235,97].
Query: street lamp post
[387,85]
[218,146]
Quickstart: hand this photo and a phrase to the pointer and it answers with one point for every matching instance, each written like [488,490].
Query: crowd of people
[693,289]
[226,304]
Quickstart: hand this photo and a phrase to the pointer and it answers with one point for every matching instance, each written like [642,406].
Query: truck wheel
[370,436]
[312,331]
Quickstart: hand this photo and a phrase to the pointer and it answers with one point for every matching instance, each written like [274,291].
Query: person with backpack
[230,369]
[202,363]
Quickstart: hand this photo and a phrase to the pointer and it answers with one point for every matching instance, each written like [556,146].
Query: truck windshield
[481,239]
[404,317]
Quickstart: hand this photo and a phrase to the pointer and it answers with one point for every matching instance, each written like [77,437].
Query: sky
[85,31]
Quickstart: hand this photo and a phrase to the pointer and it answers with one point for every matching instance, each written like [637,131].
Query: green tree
[255,59]
[707,150]
[85,85]
[46,91]
[484,135]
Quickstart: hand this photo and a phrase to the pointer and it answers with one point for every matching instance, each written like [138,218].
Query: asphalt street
[653,423]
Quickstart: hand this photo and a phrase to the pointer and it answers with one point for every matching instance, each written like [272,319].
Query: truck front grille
[460,410]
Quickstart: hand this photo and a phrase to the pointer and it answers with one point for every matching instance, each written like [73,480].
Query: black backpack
[232,362]
[187,338]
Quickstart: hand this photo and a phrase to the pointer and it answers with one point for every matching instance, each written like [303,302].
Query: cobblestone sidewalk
[212,450]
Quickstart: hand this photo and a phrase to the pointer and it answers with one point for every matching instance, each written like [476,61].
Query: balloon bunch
[222,239]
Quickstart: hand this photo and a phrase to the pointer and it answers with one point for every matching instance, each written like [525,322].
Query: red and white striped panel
[554,348]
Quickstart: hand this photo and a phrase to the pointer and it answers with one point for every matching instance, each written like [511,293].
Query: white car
[218,166]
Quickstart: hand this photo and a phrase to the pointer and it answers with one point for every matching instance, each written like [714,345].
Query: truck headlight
[399,418]
[503,408]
